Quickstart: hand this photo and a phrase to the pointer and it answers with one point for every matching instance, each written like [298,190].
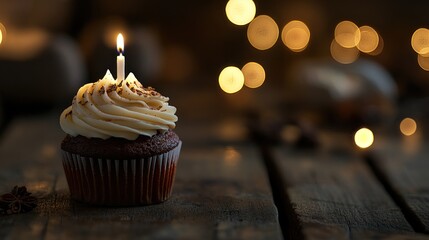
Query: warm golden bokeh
[420,41]
[231,79]
[262,32]
[379,48]
[347,34]
[24,44]
[368,39]
[364,138]
[254,74]
[408,126]
[342,54]
[423,62]
[2,32]
[296,35]
[240,12]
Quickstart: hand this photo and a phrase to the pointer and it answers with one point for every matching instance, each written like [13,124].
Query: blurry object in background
[240,12]
[143,50]
[49,15]
[364,138]
[38,67]
[362,92]
[231,130]
[300,134]
[254,74]
[262,32]
[296,35]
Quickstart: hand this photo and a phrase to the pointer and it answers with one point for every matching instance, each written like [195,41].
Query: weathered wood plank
[323,231]
[404,164]
[28,157]
[219,193]
[338,193]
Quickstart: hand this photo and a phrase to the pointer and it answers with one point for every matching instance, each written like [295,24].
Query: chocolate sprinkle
[102,90]
[69,113]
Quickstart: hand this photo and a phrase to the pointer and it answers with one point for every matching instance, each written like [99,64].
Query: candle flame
[120,43]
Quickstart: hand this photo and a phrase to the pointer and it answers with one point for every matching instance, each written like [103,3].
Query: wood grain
[337,193]
[403,163]
[220,193]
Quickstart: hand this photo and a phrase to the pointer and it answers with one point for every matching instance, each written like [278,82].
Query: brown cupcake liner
[121,182]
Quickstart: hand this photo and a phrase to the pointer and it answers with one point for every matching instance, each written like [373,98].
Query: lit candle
[120,60]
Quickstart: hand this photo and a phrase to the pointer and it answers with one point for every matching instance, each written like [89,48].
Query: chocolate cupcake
[120,148]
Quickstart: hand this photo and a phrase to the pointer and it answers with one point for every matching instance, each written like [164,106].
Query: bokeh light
[347,34]
[23,44]
[296,35]
[368,39]
[408,126]
[343,55]
[254,74]
[364,138]
[240,12]
[2,32]
[262,32]
[420,41]
[232,156]
[423,62]
[379,48]
[231,79]
[48,151]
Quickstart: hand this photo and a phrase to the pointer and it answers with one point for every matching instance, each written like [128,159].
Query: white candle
[120,60]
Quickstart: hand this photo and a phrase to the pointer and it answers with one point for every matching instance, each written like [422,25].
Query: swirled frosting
[125,109]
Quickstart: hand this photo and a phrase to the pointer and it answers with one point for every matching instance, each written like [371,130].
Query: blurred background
[301,64]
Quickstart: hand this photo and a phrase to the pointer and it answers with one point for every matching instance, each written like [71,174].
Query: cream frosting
[125,109]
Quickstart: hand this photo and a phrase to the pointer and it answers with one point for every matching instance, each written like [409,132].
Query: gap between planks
[288,221]
[408,213]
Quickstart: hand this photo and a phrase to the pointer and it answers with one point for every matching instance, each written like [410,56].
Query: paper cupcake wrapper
[121,182]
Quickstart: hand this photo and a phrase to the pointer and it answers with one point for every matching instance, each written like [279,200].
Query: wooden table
[228,187]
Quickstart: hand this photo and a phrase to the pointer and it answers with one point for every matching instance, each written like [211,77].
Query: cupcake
[120,148]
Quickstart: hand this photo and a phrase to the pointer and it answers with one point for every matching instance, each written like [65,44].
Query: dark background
[185,44]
